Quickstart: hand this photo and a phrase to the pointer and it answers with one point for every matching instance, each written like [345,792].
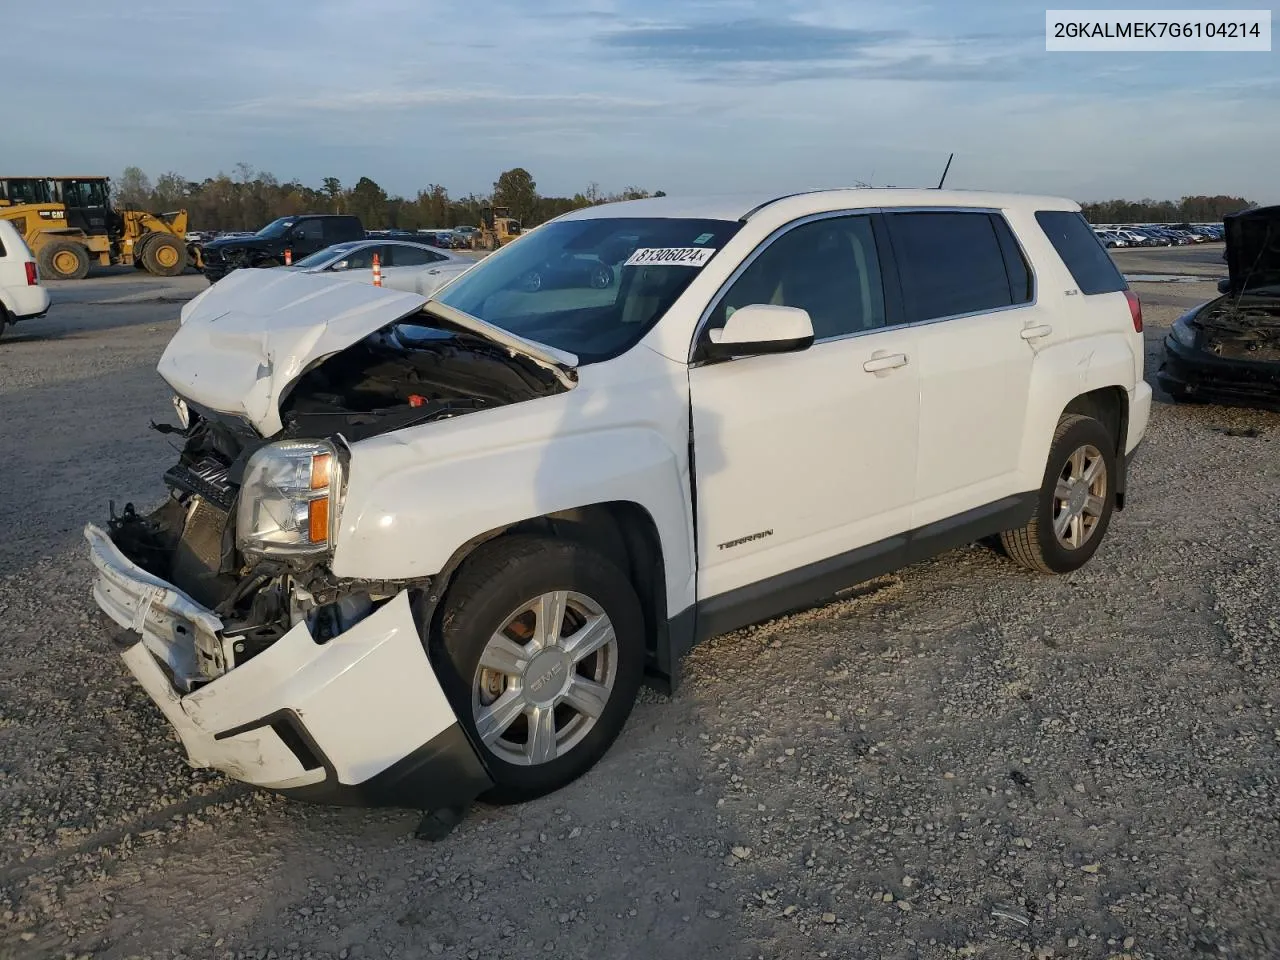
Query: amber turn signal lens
[321,468]
[318,520]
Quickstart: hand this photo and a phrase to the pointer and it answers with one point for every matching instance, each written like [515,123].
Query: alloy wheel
[1080,497]
[544,678]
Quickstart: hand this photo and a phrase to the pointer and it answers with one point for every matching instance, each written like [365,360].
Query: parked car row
[1157,235]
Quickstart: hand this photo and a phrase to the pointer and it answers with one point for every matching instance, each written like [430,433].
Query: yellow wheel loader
[496,228]
[70,225]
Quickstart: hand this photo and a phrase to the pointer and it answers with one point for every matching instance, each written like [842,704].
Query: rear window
[950,264]
[1090,264]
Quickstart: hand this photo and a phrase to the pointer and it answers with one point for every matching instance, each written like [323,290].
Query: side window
[949,264]
[1021,286]
[406,256]
[828,267]
[362,259]
[1090,265]
[309,229]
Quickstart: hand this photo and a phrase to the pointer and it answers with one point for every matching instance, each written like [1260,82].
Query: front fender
[415,497]
[1061,373]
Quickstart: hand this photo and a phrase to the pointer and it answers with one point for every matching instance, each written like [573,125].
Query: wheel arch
[1109,406]
[1092,376]
[623,531]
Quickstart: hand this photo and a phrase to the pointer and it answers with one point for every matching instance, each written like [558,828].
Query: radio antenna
[944,171]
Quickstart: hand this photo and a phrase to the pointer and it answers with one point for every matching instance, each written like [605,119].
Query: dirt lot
[964,760]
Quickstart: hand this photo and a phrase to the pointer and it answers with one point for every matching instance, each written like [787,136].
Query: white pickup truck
[419,550]
[21,295]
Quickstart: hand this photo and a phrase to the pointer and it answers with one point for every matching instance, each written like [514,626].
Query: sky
[688,96]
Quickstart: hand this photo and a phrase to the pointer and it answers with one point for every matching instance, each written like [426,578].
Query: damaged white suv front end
[269,666]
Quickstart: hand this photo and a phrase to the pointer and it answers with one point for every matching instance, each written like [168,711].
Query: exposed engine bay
[1242,328]
[406,374]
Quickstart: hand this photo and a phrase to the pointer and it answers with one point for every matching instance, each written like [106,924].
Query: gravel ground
[961,759]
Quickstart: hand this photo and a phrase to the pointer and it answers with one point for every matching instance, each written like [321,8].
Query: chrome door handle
[1035,331]
[433,272]
[881,362]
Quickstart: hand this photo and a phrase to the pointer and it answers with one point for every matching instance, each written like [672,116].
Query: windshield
[276,228]
[591,287]
[321,257]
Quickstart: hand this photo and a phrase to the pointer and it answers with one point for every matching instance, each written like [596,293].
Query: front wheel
[1075,502]
[545,639]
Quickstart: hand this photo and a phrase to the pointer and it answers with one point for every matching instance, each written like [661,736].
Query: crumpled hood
[1253,248]
[244,341]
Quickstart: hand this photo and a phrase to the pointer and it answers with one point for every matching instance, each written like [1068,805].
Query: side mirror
[340,265]
[760,328]
[1224,285]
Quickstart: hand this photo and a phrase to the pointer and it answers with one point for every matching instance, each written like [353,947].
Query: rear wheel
[164,256]
[64,260]
[546,643]
[1076,499]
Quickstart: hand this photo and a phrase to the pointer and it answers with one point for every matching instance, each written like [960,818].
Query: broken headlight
[288,504]
[1182,331]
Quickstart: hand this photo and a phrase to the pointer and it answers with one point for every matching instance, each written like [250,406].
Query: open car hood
[247,339]
[1253,248]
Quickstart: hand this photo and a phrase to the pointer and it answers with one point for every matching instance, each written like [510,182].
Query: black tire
[140,249]
[490,586]
[1036,546]
[164,255]
[72,257]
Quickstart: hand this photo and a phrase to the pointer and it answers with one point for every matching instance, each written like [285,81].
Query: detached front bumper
[360,719]
[1188,374]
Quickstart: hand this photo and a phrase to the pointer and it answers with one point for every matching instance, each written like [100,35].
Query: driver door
[307,238]
[804,462]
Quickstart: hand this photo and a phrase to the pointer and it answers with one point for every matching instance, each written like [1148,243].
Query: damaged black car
[1228,350]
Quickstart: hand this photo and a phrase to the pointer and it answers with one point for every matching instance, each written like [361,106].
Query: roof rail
[786,196]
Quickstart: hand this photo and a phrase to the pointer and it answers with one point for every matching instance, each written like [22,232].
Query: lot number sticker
[670,256]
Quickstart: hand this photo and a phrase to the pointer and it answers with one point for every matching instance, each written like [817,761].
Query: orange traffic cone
[288,256]
[377,271]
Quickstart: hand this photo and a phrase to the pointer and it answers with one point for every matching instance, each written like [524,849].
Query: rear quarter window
[1088,261]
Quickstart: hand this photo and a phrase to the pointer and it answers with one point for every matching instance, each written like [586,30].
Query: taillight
[1135,310]
[33,278]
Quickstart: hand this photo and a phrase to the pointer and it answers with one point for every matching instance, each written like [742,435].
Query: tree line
[1199,209]
[249,199]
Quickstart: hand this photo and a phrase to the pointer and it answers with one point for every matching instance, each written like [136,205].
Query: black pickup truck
[301,235]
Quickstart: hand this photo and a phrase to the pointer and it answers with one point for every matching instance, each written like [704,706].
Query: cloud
[751,40]
[760,50]
[362,101]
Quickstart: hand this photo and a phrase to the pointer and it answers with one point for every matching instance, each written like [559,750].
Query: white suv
[421,550]
[21,295]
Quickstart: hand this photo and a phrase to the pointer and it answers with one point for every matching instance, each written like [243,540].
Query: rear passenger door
[410,268]
[969,292]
